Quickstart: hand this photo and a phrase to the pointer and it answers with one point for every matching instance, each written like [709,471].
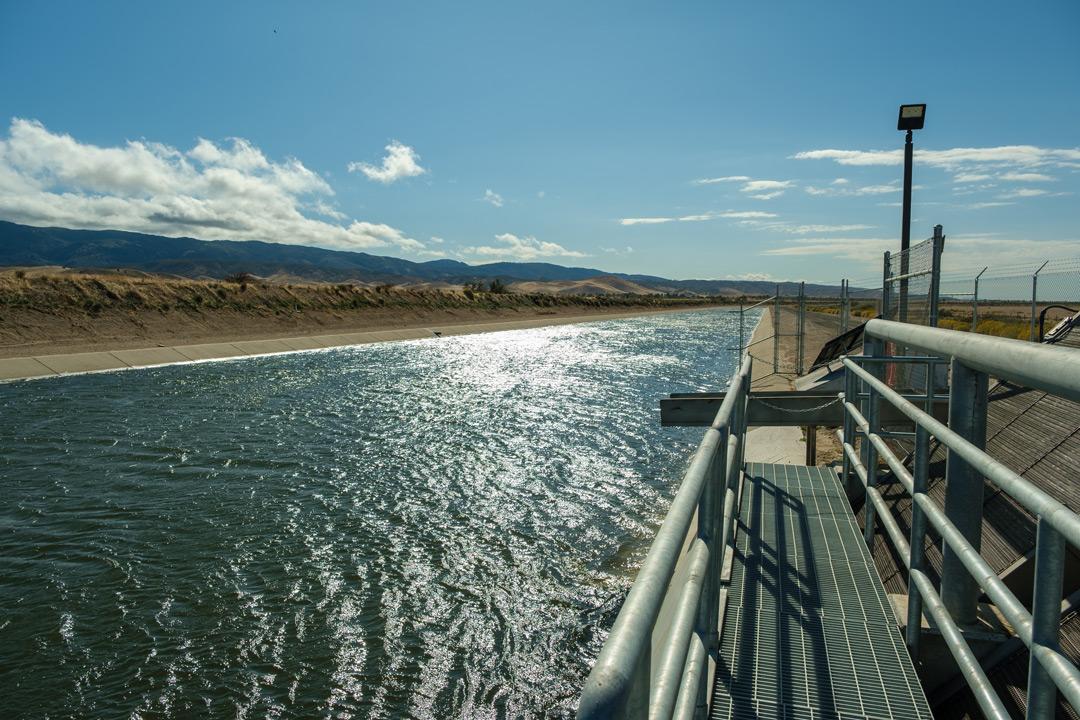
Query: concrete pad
[412,334]
[208,351]
[81,362]
[25,367]
[261,347]
[304,343]
[455,329]
[149,356]
[779,445]
[365,338]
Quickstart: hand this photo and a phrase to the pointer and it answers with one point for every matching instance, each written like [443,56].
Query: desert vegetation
[55,307]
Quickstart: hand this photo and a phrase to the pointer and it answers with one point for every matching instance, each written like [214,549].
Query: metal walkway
[808,631]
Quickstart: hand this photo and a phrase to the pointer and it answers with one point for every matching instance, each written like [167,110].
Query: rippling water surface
[422,529]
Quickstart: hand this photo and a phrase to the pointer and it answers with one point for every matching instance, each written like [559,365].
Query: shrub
[20,274]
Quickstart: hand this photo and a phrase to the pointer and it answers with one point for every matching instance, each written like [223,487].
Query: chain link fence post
[1034,302]
[975,302]
[935,274]
[885,275]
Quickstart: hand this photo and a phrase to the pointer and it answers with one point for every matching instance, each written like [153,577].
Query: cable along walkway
[808,631]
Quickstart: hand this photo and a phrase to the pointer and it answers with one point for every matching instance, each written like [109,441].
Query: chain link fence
[1017,301]
[1020,301]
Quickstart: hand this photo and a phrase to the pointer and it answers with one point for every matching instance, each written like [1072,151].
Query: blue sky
[575,133]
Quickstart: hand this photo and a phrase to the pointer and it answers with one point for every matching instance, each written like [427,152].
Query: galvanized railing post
[964,489]
[851,396]
[872,347]
[920,477]
[870,462]
[1045,619]
[1034,301]
[975,302]
[708,530]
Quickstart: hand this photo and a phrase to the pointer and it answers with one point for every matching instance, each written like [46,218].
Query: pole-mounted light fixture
[911,118]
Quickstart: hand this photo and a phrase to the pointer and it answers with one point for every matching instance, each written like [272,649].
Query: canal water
[435,528]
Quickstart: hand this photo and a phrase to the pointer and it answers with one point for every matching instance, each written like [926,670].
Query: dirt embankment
[48,312]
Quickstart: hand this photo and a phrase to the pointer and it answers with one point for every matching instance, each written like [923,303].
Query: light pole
[911,118]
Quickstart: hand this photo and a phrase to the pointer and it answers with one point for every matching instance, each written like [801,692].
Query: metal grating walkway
[808,631]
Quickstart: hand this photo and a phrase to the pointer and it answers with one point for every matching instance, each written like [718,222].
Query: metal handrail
[1054,370]
[1028,364]
[622,682]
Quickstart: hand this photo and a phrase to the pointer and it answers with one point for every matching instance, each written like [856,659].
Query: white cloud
[400,162]
[214,191]
[324,208]
[541,194]
[745,214]
[861,250]
[757,189]
[645,220]
[963,250]
[437,240]
[855,192]
[983,205]
[766,189]
[1005,155]
[754,276]
[972,177]
[759,185]
[492,197]
[1023,193]
[728,178]
[808,229]
[522,248]
[840,181]
[1026,177]
[996,250]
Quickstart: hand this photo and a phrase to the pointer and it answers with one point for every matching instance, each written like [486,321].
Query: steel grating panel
[808,631]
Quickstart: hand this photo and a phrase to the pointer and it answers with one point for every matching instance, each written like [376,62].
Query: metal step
[808,630]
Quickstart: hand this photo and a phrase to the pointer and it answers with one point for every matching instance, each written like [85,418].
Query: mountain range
[24,245]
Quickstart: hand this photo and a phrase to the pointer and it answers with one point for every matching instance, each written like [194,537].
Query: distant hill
[596,285]
[23,245]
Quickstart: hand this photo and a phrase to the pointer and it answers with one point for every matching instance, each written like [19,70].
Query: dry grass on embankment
[1008,320]
[45,311]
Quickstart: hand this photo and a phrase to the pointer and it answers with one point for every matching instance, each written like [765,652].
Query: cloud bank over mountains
[213,191]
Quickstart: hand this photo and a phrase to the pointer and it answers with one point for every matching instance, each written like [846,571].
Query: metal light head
[911,117]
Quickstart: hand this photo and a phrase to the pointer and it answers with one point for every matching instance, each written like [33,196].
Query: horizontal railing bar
[980,685]
[611,680]
[1065,675]
[1055,370]
[883,513]
[693,675]
[898,359]
[670,670]
[1032,498]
